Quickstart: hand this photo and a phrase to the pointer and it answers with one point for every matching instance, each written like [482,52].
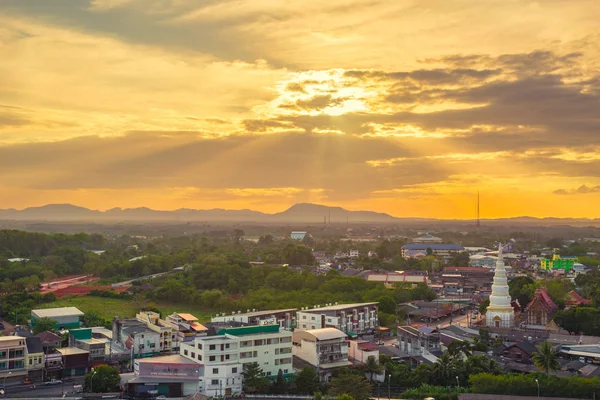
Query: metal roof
[432,246]
[57,312]
[322,334]
[340,307]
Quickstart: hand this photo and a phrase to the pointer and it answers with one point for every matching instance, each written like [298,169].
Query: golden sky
[407,107]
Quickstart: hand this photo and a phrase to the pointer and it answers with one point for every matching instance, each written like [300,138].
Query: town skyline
[407,108]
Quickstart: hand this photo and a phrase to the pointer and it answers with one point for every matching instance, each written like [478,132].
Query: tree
[254,379]
[546,358]
[483,306]
[373,367]
[458,348]
[92,318]
[345,397]
[102,379]
[387,304]
[355,386]
[444,370]
[280,385]
[460,259]
[522,288]
[44,324]
[307,381]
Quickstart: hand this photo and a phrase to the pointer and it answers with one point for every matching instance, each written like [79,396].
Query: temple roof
[545,301]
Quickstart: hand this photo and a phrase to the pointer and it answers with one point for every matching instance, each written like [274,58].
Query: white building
[359,351]
[500,312]
[427,238]
[136,337]
[185,328]
[353,319]
[322,349]
[481,260]
[225,355]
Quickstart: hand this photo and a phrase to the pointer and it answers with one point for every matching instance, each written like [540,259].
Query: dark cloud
[427,76]
[295,87]
[8,119]
[583,189]
[319,102]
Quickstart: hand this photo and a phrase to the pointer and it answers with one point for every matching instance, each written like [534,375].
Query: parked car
[53,382]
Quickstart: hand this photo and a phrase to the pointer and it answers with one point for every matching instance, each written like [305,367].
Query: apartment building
[324,350]
[225,354]
[136,337]
[284,318]
[353,319]
[162,327]
[12,356]
[413,341]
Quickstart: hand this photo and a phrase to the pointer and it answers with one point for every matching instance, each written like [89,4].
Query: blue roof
[432,246]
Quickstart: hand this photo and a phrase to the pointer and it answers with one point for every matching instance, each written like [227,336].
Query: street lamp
[457,387]
[92,381]
[9,372]
[538,385]
[389,388]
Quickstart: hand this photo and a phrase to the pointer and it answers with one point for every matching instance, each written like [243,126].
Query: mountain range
[298,213]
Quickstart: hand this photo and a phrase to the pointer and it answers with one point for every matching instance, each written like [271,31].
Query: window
[212,347]
[234,370]
[304,317]
[227,356]
[211,358]
[199,346]
[227,346]
[193,355]
[312,318]
[30,361]
[214,382]
[185,352]
[199,357]
[215,370]
[285,371]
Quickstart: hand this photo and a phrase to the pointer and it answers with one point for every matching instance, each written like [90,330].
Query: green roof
[81,334]
[250,330]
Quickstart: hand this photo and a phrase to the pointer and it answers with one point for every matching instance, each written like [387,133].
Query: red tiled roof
[542,296]
[574,298]
[367,346]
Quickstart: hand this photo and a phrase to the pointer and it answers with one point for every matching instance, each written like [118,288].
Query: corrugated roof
[69,351]
[187,317]
[326,333]
[57,312]
[170,359]
[49,337]
[197,326]
[34,345]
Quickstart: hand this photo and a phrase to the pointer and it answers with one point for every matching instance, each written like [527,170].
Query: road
[41,391]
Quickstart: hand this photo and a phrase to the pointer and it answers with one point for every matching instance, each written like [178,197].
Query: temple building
[540,310]
[500,313]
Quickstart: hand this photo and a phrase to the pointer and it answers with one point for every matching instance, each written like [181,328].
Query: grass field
[109,308]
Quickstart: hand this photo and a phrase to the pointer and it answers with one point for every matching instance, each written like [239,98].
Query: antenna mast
[478,221]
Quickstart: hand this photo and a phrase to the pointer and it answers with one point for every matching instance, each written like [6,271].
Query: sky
[408,107]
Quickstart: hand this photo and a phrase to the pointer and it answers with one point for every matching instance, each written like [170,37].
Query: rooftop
[34,345]
[48,336]
[338,307]
[433,246]
[57,312]
[250,330]
[324,333]
[187,317]
[69,351]
[260,313]
[170,359]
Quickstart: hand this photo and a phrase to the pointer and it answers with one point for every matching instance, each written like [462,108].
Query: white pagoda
[500,313]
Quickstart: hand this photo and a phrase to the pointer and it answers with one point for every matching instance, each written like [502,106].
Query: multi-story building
[392,278]
[324,350]
[53,360]
[185,328]
[12,356]
[75,361]
[353,319]
[170,375]
[136,337]
[359,351]
[163,328]
[82,339]
[420,341]
[558,263]
[65,317]
[284,318]
[225,354]
[34,358]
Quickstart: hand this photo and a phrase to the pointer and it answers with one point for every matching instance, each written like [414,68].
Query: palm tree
[444,370]
[546,358]
[372,366]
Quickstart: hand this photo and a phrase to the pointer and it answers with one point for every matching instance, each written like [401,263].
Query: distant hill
[298,213]
[304,212]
